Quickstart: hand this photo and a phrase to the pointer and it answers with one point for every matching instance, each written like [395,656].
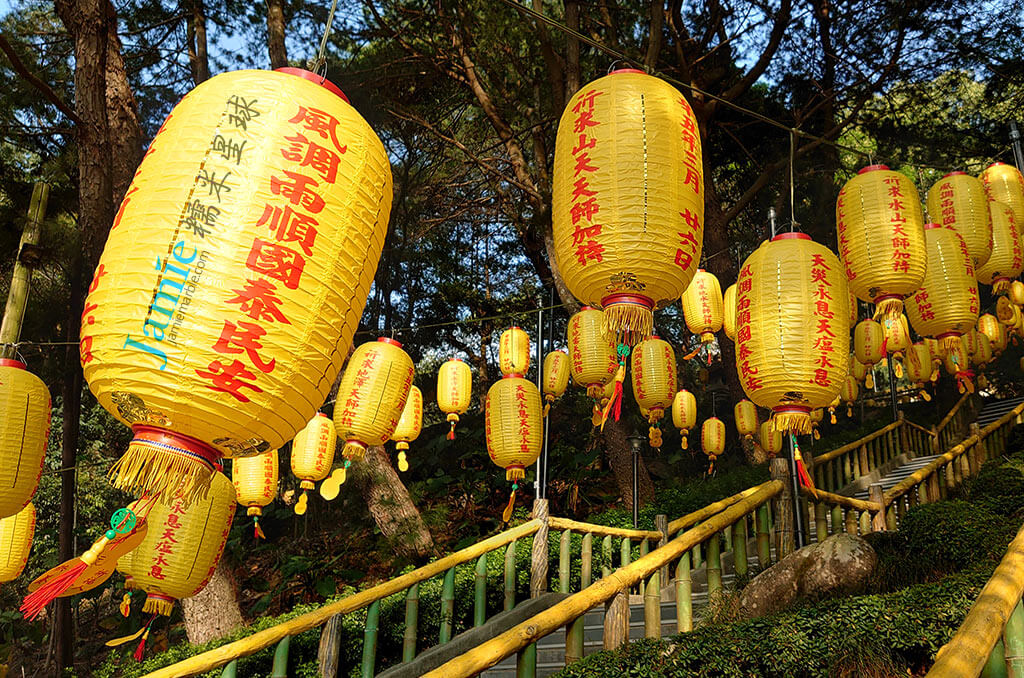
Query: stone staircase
[993,409]
[899,473]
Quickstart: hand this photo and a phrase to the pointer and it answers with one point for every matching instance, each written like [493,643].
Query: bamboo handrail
[602,530]
[841,500]
[922,429]
[949,415]
[244,647]
[702,513]
[849,447]
[967,651]
[518,637]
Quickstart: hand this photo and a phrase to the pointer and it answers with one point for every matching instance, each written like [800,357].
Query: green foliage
[956,534]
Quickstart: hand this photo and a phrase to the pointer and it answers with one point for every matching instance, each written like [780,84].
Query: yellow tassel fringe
[158,606]
[514,473]
[144,469]
[888,308]
[793,422]
[628,323]
[353,451]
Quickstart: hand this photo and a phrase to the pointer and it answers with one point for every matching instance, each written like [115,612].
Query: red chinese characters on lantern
[583,204]
[900,241]
[165,545]
[691,146]
[844,238]
[688,247]
[824,315]
[1015,240]
[638,369]
[946,205]
[523,416]
[748,372]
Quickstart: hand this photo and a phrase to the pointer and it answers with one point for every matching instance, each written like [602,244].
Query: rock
[840,564]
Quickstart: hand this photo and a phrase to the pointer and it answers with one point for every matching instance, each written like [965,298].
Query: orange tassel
[257,530]
[507,513]
[451,432]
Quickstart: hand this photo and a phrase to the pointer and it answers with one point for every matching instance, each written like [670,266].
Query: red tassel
[35,602]
[140,649]
[617,401]
[257,530]
[805,479]
[451,433]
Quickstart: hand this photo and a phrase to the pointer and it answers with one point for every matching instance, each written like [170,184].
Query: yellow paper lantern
[16,532]
[770,438]
[919,367]
[555,377]
[371,396]
[654,381]
[712,440]
[849,393]
[513,429]
[1007,260]
[454,389]
[970,339]
[868,342]
[628,198]
[514,351]
[592,356]
[409,426]
[1016,292]
[182,546]
[854,311]
[879,225]
[313,455]
[684,414]
[792,328]
[982,352]
[861,372]
[958,201]
[24,430]
[702,306]
[255,481]
[745,414]
[897,339]
[235,274]
[958,364]
[1004,183]
[990,326]
[946,305]
[729,312]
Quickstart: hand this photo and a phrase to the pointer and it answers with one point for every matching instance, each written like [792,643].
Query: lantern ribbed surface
[235,273]
[628,198]
[990,326]
[729,312]
[702,306]
[858,370]
[409,426]
[1007,260]
[255,480]
[792,328]
[313,451]
[919,363]
[513,426]
[555,378]
[712,439]
[745,414]
[182,546]
[24,429]
[372,395]
[654,376]
[454,389]
[684,414]
[982,352]
[592,356]
[514,351]
[946,304]
[897,334]
[1004,183]
[880,229]
[868,338]
[970,339]
[848,393]
[16,532]
[770,438]
[958,201]
[854,311]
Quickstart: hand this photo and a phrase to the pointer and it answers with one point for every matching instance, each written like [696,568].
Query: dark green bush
[956,534]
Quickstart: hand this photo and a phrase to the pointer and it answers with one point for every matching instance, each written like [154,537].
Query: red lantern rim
[512,375]
[886,297]
[457,360]
[515,327]
[589,308]
[928,227]
[313,77]
[389,340]
[872,168]
[187,445]
[784,409]
[10,362]
[949,334]
[321,414]
[628,70]
[791,236]
[626,298]
[956,174]
[161,596]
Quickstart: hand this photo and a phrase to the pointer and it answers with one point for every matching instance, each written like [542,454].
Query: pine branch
[30,78]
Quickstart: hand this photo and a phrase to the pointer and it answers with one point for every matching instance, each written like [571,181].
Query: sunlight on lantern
[24,430]
[255,481]
[409,426]
[454,390]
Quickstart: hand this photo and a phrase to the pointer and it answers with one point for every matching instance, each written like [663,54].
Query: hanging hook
[792,184]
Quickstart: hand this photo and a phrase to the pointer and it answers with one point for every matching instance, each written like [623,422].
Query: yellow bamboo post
[903,441]
[1013,642]
[837,519]
[820,522]
[865,464]
[877,495]
[851,522]
[510,576]
[764,544]
[684,595]
[564,561]
[739,547]
[949,478]
[574,633]
[652,606]
[714,567]
[21,280]
[936,446]
[865,522]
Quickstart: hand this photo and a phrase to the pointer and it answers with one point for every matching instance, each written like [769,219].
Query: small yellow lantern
[897,339]
[1007,259]
[409,426]
[712,440]
[958,201]
[920,367]
[513,428]
[24,429]
[946,305]
[555,378]
[592,355]
[313,455]
[982,352]
[729,312]
[1004,183]
[745,414]
[958,364]
[514,351]
[702,307]
[454,389]
[861,372]
[1017,292]
[770,438]
[16,533]
[654,381]
[990,326]
[868,342]
[1007,312]
[849,393]
[255,481]
[684,414]
[970,339]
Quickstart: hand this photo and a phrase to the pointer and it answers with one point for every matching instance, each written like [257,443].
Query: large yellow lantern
[868,342]
[654,382]
[958,201]
[990,326]
[684,414]
[745,414]
[235,274]
[371,396]
[770,438]
[313,455]
[702,306]
[182,546]
[1007,260]
[879,225]
[454,389]
[628,198]
[1004,183]
[514,351]
[792,329]
[946,305]
[513,428]
[849,393]
[555,378]
[16,533]
[729,312]
[24,430]
[712,440]
[409,426]
[255,481]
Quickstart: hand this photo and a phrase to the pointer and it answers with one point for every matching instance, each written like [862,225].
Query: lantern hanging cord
[320,62]
[792,187]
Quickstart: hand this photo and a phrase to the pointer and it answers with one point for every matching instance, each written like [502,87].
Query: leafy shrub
[956,534]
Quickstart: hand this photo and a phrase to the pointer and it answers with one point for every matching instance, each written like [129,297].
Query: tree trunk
[213,612]
[275,34]
[198,58]
[122,118]
[391,507]
[620,458]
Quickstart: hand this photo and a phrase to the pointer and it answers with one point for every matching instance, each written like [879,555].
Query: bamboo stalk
[526,662]
[412,620]
[510,576]
[995,667]
[574,634]
[820,525]
[851,522]
[875,493]
[652,606]
[837,520]
[739,547]
[842,500]
[616,622]
[691,519]
[865,522]
[855,444]
[764,543]
[370,640]
[447,607]
[684,595]
[661,524]
[480,591]
[21,278]
[644,549]
[556,523]
[564,561]
[279,669]
[606,553]
[714,568]
[1013,642]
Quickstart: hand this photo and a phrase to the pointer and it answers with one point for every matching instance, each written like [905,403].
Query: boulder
[841,564]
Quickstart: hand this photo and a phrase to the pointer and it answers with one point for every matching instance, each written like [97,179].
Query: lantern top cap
[389,340]
[931,226]
[872,168]
[791,236]
[10,362]
[627,70]
[321,414]
[458,360]
[515,327]
[589,308]
[626,298]
[956,174]
[512,375]
[313,77]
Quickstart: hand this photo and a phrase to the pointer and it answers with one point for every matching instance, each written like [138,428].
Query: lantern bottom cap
[254,511]
[513,473]
[888,306]
[163,463]
[353,450]
[158,604]
[628,317]
[792,419]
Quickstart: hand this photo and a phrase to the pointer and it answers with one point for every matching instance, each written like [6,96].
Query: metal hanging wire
[318,64]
